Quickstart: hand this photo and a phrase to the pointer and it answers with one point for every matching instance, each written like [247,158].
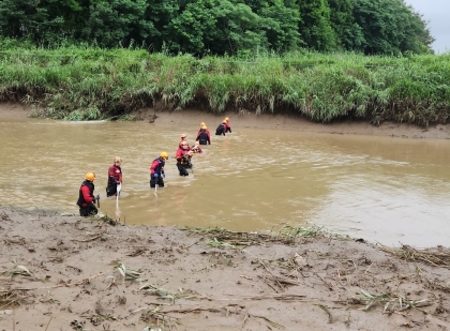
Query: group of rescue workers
[185,152]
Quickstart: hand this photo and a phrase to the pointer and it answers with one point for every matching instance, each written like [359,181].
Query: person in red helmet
[157,170]
[114,177]
[203,136]
[86,199]
[227,125]
[184,155]
[182,138]
[222,128]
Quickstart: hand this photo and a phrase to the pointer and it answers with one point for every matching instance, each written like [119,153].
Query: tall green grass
[88,83]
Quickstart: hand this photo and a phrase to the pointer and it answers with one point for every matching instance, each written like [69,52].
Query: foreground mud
[64,272]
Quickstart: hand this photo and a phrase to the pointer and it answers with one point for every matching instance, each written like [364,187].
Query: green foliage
[91,84]
[348,32]
[390,27]
[216,27]
[28,18]
[118,23]
[315,27]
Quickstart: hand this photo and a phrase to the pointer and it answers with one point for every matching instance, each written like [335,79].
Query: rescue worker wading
[222,128]
[183,156]
[203,136]
[114,177]
[227,125]
[86,197]
[182,138]
[157,170]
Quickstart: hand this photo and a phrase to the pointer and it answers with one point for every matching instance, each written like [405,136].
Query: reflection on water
[381,189]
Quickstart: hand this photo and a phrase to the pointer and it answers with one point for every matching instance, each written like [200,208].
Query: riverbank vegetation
[321,59]
[76,83]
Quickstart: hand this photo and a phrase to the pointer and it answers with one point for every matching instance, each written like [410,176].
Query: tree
[348,33]
[118,23]
[281,19]
[315,25]
[218,26]
[391,27]
[27,18]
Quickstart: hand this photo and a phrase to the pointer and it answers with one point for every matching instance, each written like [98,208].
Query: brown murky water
[380,189]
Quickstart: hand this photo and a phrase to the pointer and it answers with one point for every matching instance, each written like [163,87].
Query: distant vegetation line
[220,27]
[75,83]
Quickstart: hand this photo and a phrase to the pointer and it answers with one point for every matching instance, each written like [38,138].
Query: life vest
[81,202]
[202,136]
[160,166]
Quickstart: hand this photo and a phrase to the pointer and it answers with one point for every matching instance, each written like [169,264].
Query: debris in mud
[97,276]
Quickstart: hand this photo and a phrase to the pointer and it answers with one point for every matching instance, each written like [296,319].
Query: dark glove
[93,200]
[164,175]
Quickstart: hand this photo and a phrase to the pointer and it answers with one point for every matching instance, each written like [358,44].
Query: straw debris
[408,253]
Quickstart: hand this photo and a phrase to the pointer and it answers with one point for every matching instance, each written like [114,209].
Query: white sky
[437,14]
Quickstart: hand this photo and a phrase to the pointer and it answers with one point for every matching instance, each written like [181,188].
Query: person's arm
[153,167]
[179,154]
[119,176]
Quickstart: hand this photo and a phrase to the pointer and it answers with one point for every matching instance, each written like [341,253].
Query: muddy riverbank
[65,272]
[159,114]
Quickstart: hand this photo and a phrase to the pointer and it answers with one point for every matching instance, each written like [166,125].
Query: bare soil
[286,122]
[65,272]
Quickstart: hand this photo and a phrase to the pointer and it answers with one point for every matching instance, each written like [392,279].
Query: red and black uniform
[221,129]
[227,127]
[114,179]
[86,199]
[157,172]
[203,137]
[183,161]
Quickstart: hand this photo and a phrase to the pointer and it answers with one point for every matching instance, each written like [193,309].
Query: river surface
[388,190]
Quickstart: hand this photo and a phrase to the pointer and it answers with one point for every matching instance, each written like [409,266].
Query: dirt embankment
[66,272]
[246,119]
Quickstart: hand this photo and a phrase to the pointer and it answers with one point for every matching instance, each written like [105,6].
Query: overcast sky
[437,14]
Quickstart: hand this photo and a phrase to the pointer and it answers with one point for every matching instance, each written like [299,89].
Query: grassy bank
[87,84]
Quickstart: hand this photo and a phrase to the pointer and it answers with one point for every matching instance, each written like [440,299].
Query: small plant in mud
[392,303]
[128,274]
[12,298]
[160,292]
[108,220]
[218,244]
[439,257]
[300,231]
[17,270]
[289,231]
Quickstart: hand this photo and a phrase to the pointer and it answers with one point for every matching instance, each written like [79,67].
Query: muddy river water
[387,190]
